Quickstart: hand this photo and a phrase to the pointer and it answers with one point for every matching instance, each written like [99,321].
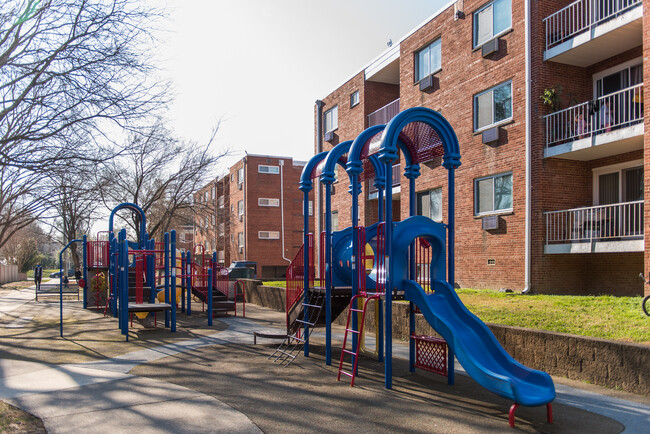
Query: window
[240,176]
[220,202]
[310,207]
[206,196]
[232,208]
[491,21]
[207,246]
[268,169]
[618,183]
[354,99]
[331,119]
[240,239]
[263,201]
[428,60]
[232,177]
[221,256]
[430,204]
[222,229]
[212,194]
[335,220]
[268,235]
[240,208]
[214,220]
[493,106]
[493,194]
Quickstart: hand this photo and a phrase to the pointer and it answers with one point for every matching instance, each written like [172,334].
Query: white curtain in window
[485,195]
[483,23]
[484,110]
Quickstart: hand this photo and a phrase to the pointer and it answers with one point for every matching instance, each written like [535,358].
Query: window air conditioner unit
[240,185]
[490,47]
[241,250]
[241,218]
[428,83]
[490,136]
[329,136]
[490,222]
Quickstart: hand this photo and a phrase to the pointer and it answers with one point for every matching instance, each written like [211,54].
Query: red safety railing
[220,280]
[381,258]
[295,280]
[97,254]
[423,253]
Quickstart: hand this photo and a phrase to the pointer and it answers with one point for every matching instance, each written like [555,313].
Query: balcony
[588,31]
[597,229]
[609,125]
[372,190]
[384,114]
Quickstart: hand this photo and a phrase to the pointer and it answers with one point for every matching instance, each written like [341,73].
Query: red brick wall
[646,156]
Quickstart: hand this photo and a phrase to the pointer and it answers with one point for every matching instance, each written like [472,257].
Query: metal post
[167,277]
[183,281]
[210,296]
[412,275]
[84,274]
[328,274]
[173,273]
[354,184]
[388,230]
[188,282]
[305,261]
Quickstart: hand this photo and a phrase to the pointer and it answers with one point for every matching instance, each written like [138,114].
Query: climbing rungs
[305,322]
[312,305]
[349,352]
[346,373]
[356,310]
[353,331]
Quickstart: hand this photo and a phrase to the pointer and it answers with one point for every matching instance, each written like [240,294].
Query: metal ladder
[294,343]
[355,353]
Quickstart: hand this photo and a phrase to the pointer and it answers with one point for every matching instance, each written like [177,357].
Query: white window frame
[221,201]
[271,170]
[240,239]
[494,123]
[268,235]
[240,207]
[432,70]
[604,170]
[355,99]
[331,119]
[476,195]
[240,176]
[214,219]
[267,201]
[476,43]
[222,229]
[310,206]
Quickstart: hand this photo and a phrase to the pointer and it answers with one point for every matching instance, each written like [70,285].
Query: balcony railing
[396,179]
[618,221]
[608,112]
[580,16]
[384,114]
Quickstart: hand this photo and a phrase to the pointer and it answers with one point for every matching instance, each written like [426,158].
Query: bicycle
[645,304]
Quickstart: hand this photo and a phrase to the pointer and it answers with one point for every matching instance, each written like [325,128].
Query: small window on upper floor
[354,99]
[220,201]
[331,119]
[264,201]
[491,21]
[240,176]
[493,106]
[428,60]
[268,169]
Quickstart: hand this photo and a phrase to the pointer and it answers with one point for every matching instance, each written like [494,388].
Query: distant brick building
[253,213]
[546,98]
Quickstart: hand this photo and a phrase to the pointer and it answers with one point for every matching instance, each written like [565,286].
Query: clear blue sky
[259,65]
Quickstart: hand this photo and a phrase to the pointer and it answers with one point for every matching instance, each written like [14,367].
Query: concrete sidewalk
[103,395]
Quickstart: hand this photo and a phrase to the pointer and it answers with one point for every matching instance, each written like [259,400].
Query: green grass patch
[607,317]
[46,273]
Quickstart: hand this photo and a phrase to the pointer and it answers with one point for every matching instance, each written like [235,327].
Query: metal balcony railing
[384,114]
[580,16]
[608,112]
[396,179]
[618,221]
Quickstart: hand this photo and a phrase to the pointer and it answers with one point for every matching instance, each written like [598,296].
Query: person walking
[38,276]
[77,275]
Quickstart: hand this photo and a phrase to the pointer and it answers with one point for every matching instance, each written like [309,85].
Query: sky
[258,66]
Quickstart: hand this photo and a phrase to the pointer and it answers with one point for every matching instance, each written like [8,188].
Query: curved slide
[476,348]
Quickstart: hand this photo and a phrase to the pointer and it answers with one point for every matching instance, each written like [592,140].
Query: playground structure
[412,259]
[140,278]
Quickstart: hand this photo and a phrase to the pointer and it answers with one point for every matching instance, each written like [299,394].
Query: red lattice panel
[430,354]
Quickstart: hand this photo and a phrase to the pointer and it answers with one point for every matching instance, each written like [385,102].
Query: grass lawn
[606,317]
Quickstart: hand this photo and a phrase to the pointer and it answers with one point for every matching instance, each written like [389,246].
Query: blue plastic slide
[477,349]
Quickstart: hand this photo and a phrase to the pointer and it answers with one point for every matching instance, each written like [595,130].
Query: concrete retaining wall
[599,361]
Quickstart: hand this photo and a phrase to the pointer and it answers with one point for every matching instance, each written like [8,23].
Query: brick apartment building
[253,213]
[550,194]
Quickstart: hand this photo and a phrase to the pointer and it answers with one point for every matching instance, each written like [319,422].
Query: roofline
[387,52]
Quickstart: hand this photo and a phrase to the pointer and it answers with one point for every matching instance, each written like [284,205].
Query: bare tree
[159,174]
[73,73]
[25,249]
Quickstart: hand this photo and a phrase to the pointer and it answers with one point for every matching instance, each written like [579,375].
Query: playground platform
[215,379]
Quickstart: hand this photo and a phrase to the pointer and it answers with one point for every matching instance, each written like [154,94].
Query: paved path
[102,397]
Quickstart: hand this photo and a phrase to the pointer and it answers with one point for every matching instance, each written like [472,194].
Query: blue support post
[151,271]
[451,187]
[188,272]
[84,274]
[412,172]
[388,323]
[305,261]
[167,277]
[173,273]
[210,296]
[354,185]
[328,273]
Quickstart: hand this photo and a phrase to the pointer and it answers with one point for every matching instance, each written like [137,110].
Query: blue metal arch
[390,137]
[334,157]
[143,220]
[305,176]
